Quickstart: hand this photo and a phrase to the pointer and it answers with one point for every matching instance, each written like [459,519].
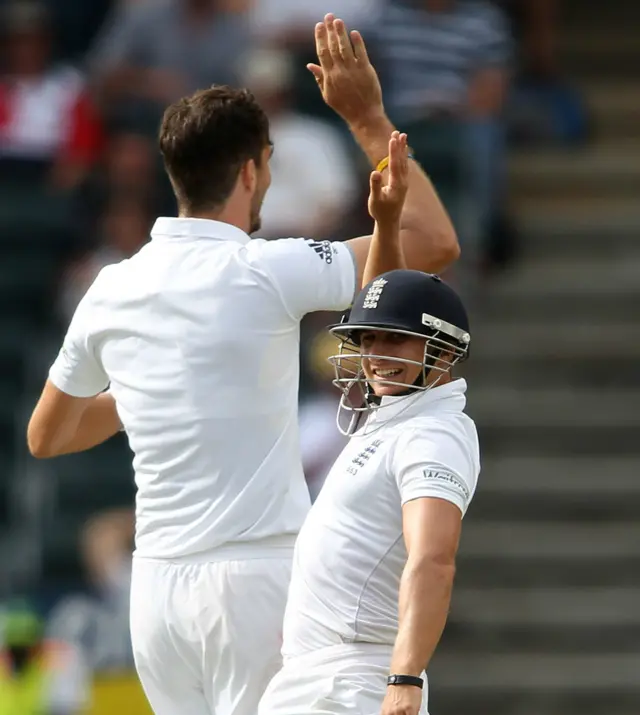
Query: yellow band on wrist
[383,164]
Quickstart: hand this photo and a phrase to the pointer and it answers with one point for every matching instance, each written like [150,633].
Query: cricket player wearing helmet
[374,562]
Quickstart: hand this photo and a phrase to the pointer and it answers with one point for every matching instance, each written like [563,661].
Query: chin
[381,390]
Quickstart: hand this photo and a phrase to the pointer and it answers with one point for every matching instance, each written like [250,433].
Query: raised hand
[345,75]
[387,199]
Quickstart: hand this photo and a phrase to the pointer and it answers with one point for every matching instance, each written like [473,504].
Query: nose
[375,347]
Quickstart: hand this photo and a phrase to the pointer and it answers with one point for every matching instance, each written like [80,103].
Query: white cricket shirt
[350,553]
[198,337]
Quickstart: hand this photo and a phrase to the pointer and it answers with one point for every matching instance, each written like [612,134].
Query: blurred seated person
[152,53]
[37,675]
[545,108]
[122,230]
[313,177]
[291,22]
[49,130]
[288,25]
[320,440]
[96,624]
[129,168]
[447,65]
[535,24]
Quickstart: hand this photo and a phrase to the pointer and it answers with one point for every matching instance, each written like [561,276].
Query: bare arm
[62,424]
[431,531]
[350,85]
[427,235]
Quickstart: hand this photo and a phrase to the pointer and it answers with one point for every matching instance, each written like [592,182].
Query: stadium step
[554,408]
[590,673]
[618,276]
[568,475]
[614,109]
[605,169]
[534,305]
[559,541]
[570,339]
[552,213]
[545,615]
[607,607]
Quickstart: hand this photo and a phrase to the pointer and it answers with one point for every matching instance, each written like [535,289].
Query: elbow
[435,569]
[38,444]
[431,251]
[38,448]
[449,249]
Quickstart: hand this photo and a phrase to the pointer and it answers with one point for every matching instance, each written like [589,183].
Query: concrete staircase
[546,613]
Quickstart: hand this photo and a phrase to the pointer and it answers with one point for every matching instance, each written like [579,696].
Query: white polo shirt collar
[451,395]
[169,228]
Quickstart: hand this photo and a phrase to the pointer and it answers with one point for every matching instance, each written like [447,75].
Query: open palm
[387,199]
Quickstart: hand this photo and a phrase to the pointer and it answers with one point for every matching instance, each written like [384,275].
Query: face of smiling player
[381,372]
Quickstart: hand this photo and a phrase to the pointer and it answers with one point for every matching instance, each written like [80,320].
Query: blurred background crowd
[526,114]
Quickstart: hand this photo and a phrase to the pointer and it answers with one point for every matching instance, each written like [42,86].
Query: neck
[224,215]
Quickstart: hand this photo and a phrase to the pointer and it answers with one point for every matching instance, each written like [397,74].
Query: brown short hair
[206,138]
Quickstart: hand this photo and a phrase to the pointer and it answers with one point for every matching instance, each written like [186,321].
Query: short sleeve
[436,462]
[77,371]
[309,275]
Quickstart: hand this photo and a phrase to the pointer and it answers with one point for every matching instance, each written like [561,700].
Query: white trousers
[206,636]
[348,679]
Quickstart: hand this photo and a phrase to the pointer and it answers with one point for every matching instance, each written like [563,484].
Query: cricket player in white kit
[197,340]
[374,562]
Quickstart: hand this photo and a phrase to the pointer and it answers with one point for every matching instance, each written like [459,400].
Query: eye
[366,340]
[397,338]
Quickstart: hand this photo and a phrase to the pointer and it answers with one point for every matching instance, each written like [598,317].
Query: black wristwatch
[405,680]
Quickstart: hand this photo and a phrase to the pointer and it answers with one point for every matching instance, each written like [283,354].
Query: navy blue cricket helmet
[402,301]
[411,302]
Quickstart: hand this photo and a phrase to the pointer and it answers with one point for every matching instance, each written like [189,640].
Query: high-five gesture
[387,199]
[345,75]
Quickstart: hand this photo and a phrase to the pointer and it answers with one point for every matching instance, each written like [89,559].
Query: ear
[249,176]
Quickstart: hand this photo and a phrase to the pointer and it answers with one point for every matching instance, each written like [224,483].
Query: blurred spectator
[320,440]
[291,22]
[447,66]
[49,130]
[107,545]
[129,169]
[123,230]
[97,625]
[536,23]
[289,25]
[544,108]
[152,53]
[37,675]
[313,178]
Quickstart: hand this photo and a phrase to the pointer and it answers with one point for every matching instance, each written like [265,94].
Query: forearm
[425,595]
[385,252]
[98,423]
[426,232]
[49,436]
